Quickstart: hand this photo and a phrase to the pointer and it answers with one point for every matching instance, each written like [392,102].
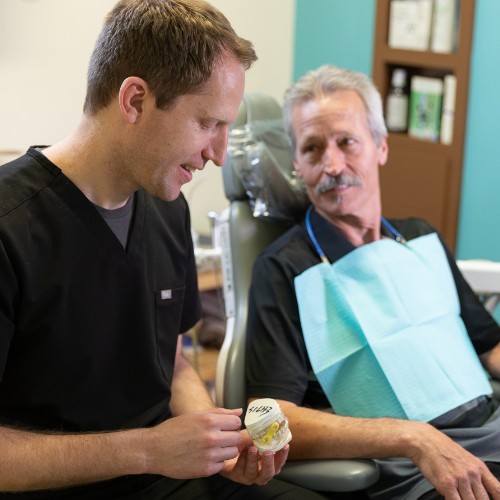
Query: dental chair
[245,229]
[484,278]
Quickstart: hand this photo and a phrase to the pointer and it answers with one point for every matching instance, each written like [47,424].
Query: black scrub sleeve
[8,292]
[191,313]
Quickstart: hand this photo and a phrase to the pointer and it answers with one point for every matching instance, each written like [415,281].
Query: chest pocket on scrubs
[168,309]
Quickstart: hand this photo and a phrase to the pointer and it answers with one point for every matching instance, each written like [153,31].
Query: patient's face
[337,157]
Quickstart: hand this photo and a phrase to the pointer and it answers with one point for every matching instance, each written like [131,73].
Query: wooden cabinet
[423,178]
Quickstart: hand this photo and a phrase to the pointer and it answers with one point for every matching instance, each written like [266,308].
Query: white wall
[45,46]
[269,24]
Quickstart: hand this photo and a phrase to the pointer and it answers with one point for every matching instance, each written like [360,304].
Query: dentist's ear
[131,98]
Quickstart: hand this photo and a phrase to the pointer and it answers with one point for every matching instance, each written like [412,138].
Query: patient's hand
[453,471]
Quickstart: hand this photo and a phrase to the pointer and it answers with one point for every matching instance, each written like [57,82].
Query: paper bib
[384,335]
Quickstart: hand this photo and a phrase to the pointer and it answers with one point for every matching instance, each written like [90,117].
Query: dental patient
[370,318]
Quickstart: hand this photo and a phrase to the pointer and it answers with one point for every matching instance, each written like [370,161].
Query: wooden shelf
[442,62]
[404,141]
[209,279]
[423,178]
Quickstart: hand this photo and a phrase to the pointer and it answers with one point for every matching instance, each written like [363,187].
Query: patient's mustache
[337,181]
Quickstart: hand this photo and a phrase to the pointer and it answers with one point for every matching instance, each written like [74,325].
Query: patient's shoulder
[288,240]
[291,252]
[412,227]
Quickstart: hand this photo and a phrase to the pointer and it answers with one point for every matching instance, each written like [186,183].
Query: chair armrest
[331,475]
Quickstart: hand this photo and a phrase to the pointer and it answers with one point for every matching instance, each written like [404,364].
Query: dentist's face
[176,142]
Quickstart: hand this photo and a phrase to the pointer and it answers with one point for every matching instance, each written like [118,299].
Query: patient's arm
[491,361]
[448,466]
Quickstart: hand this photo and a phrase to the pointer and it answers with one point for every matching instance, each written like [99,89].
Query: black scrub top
[88,329]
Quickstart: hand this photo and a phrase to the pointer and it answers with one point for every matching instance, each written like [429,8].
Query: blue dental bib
[384,335]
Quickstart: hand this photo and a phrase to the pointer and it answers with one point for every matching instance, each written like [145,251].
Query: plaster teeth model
[267,425]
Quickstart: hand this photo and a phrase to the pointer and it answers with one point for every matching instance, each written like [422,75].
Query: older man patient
[370,319]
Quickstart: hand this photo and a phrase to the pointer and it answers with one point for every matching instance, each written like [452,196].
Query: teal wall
[338,32]
[341,32]
[479,229]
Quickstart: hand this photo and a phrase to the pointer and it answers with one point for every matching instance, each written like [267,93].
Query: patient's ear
[131,97]
[383,151]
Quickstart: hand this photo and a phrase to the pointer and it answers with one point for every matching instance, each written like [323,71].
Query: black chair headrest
[259,165]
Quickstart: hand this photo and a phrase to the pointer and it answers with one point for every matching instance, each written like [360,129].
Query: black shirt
[277,364]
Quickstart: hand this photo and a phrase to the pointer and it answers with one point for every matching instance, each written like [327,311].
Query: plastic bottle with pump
[397,103]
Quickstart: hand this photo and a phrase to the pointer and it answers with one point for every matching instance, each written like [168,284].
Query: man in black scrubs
[98,277]
[371,318]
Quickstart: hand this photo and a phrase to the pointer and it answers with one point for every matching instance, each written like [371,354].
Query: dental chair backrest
[265,198]
[256,173]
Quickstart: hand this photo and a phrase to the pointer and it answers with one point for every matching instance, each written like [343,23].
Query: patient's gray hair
[324,81]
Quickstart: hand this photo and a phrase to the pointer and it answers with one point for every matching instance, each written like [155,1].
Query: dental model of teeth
[267,425]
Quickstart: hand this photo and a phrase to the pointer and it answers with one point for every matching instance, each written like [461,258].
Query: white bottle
[396,111]
[448,113]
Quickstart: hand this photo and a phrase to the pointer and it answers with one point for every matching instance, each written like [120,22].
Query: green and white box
[426,100]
